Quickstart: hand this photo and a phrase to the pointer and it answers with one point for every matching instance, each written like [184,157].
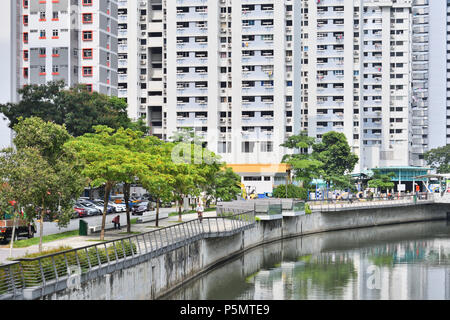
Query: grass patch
[45,239]
[46,252]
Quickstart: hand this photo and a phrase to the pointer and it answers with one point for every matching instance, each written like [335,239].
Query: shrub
[293,192]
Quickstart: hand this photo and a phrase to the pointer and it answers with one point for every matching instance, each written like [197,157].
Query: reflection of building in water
[415,270]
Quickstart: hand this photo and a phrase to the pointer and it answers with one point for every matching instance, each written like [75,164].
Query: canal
[408,261]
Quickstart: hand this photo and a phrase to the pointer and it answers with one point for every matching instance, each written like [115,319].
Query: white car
[118,206]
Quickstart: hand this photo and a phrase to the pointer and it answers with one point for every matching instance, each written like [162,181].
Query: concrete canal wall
[153,278]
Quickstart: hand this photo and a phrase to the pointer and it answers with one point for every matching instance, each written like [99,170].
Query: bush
[293,192]
[32,269]
[307,209]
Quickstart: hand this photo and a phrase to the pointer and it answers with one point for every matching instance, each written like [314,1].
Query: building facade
[357,76]
[69,40]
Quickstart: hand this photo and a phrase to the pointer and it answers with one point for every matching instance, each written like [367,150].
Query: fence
[263,206]
[47,273]
[364,203]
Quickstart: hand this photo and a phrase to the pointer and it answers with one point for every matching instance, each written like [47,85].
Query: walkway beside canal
[83,241]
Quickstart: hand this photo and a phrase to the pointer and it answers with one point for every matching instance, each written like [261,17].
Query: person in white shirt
[200,210]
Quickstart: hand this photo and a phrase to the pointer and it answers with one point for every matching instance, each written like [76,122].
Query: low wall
[153,278]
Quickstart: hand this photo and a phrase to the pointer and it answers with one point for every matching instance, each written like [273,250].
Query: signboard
[401,187]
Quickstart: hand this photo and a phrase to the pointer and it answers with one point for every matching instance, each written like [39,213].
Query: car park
[91,210]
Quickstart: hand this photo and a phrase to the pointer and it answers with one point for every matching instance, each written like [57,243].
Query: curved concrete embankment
[153,278]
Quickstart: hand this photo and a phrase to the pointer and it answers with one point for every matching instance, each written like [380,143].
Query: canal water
[409,261]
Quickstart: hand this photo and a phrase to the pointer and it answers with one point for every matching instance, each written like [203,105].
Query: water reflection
[395,262]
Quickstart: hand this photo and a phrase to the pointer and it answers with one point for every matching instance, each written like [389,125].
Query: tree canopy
[439,159]
[42,173]
[330,159]
[79,109]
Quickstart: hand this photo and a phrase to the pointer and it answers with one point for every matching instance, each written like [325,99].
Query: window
[25,55]
[87,17]
[42,71]
[87,53]
[55,34]
[42,34]
[55,16]
[25,4]
[266,146]
[89,87]
[25,19]
[87,2]
[87,71]
[55,70]
[248,147]
[42,16]
[25,72]
[55,52]
[25,37]
[42,52]
[87,36]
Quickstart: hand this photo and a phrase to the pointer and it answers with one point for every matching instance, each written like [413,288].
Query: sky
[5,94]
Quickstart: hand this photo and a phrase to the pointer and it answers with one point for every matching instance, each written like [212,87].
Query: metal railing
[49,272]
[364,203]
[263,206]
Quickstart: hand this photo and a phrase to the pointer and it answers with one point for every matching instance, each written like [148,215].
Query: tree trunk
[108,188]
[157,212]
[126,196]
[41,228]
[180,219]
[12,237]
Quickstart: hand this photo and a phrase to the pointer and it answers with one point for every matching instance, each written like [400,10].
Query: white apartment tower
[356,76]
[233,74]
[141,60]
[70,40]
[420,80]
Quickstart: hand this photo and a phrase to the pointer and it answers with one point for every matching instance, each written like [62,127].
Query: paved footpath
[82,241]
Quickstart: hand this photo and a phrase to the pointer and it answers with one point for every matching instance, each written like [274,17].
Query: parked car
[98,204]
[91,210]
[101,205]
[141,208]
[119,207]
[79,212]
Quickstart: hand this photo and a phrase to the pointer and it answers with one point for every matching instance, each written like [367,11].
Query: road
[52,227]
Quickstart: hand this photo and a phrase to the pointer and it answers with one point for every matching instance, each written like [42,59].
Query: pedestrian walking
[116,221]
[200,210]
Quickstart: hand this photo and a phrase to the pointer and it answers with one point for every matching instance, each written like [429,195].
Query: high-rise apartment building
[141,72]
[233,74]
[74,41]
[247,74]
[420,80]
[356,76]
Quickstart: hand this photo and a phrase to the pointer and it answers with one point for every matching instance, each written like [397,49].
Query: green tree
[335,154]
[106,162]
[305,168]
[157,178]
[381,181]
[225,185]
[293,192]
[439,159]
[41,151]
[79,109]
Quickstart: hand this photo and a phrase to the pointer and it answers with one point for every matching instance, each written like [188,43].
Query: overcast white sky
[4,67]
